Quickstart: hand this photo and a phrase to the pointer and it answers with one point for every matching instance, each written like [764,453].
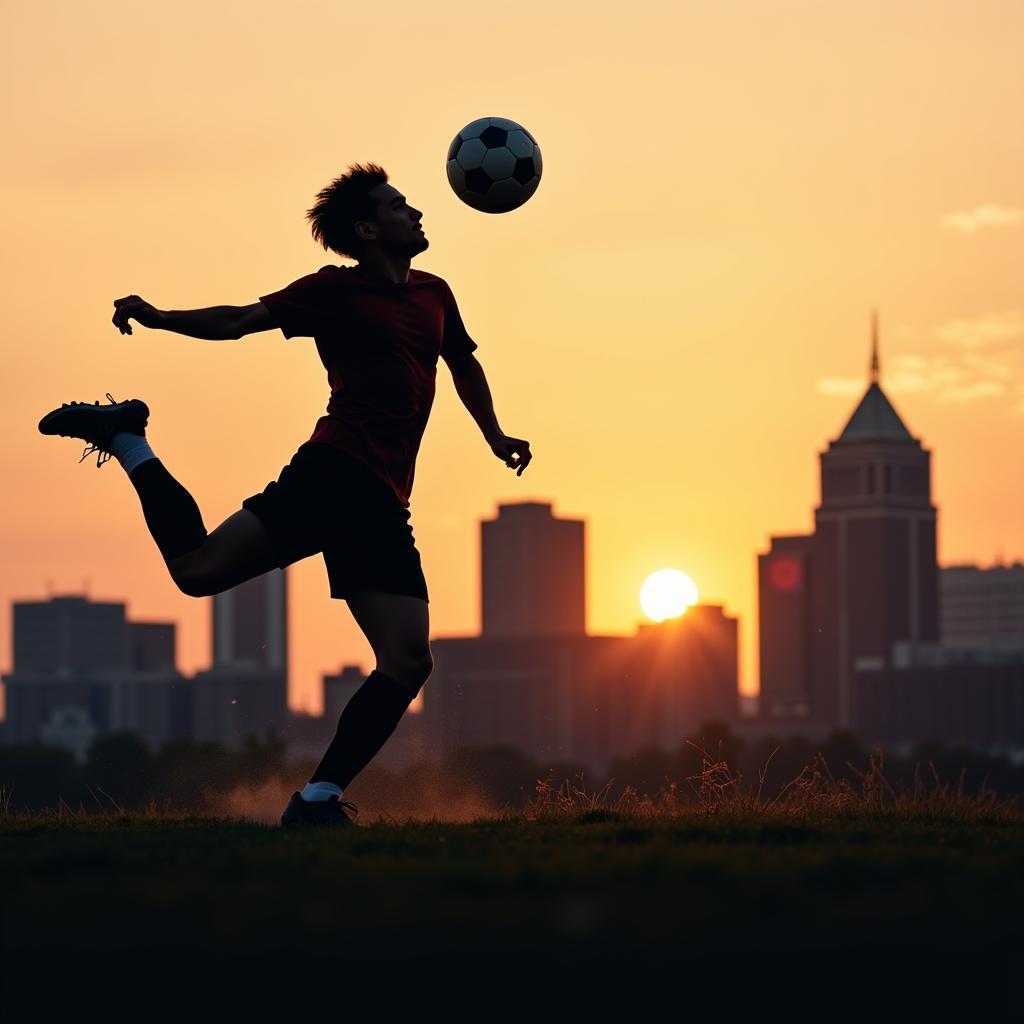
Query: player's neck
[394,269]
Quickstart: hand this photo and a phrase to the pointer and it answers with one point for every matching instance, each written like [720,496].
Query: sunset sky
[677,321]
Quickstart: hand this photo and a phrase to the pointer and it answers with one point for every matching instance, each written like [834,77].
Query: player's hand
[135,308]
[513,451]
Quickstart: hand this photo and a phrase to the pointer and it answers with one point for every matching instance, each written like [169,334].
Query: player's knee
[411,669]
[191,582]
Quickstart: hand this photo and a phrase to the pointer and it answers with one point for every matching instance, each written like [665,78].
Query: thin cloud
[1002,325]
[966,376]
[987,215]
[972,392]
[840,385]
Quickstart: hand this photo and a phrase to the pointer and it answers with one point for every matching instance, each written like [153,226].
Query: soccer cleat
[318,812]
[97,424]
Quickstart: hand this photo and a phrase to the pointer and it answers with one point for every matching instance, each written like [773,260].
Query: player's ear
[366,230]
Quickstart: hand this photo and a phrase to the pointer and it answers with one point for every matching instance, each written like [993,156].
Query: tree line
[120,772]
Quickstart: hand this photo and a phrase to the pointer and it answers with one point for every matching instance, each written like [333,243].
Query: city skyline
[1009,621]
[677,331]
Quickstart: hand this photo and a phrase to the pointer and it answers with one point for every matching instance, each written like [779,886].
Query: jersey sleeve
[303,308]
[455,342]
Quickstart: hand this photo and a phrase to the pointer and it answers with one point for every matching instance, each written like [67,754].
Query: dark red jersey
[379,342]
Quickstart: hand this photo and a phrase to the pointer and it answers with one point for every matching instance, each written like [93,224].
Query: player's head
[359,210]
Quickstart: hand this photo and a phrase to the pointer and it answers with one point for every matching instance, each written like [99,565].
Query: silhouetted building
[152,646]
[250,623]
[81,670]
[232,704]
[70,635]
[245,690]
[583,699]
[962,695]
[404,746]
[532,575]
[339,688]
[546,696]
[866,579]
[784,602]
[982,606]
[682,672]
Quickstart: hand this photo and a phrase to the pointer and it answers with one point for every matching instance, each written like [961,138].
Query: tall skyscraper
[250,623]
[867,578]
[532,573]
[245,690]
[784,601]
[536,681]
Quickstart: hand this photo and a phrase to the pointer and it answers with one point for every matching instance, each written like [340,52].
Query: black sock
[172,515]
[368,719]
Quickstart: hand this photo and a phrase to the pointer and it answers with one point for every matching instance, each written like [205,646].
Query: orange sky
[677,321]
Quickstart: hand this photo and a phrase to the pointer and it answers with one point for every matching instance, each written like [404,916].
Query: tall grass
[716,790]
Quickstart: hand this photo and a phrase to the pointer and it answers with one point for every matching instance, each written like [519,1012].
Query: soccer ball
[494,165]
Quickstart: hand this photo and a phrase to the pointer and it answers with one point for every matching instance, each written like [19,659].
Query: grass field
[592,886]
[571,884]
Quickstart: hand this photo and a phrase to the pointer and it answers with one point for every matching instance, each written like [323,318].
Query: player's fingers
[131,309]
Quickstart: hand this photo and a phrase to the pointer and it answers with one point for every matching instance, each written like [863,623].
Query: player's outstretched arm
[471,385]
[215,323]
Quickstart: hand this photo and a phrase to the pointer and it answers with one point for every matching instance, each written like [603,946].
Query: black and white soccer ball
[494,165]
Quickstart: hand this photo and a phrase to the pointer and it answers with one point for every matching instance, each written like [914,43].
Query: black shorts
[325,500]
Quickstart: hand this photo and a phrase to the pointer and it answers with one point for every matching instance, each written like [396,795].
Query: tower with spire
[868,575]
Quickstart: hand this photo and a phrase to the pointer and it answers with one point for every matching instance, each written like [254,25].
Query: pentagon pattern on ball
[474,129]
[493,137]
[494,165]
[478,180]
[525,170]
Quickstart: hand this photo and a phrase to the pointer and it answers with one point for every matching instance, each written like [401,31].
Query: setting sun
[666,594]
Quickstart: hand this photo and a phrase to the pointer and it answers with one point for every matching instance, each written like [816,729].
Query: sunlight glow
[666,594]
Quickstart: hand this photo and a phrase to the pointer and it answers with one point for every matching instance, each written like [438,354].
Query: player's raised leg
[236,551]
[200,563]
[397,627]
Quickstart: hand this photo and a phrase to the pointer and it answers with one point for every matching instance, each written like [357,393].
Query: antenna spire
[875,367]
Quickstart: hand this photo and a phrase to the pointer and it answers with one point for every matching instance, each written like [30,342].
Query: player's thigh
[238,550]
[397,627]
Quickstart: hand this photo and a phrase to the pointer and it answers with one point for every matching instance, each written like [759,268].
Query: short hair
[343,202]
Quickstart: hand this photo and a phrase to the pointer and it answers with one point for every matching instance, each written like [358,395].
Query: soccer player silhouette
[379,328]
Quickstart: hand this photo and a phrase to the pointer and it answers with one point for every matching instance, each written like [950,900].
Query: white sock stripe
[130,450]
[320,791]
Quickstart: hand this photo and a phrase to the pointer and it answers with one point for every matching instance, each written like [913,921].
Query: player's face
[398,224]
